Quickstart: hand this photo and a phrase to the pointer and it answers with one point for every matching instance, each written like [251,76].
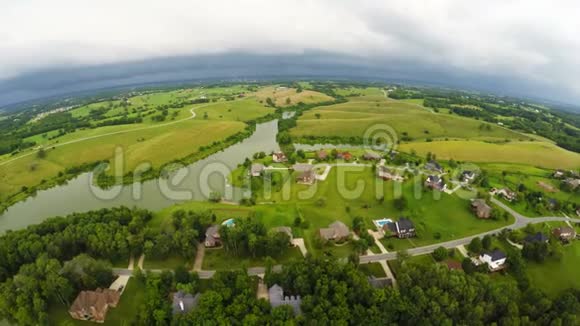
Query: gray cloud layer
[533,41]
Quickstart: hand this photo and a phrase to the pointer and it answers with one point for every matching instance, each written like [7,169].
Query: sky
[534,44]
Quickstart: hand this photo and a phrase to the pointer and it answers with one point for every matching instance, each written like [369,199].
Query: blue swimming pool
[380,223]
[229,222]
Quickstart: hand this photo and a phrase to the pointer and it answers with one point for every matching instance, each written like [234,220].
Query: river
[192,182]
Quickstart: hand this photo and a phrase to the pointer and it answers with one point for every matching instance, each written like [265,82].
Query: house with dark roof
[336,231]
[94,305]
[212,236]
[553,204]
[481,208]
[564,233]
[257,169]
[402,229]
[277,298]
[433,166]
[506,193]
[538,237]
[494,259]
[434,182]
[184,302]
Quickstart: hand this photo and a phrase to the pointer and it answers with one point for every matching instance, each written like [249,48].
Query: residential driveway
[120,283]
[324,174]
[299,242]
[383,250]
[199,257]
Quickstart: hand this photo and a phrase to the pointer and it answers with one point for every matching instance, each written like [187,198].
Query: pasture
[535,153]
[410,121]
[280,95]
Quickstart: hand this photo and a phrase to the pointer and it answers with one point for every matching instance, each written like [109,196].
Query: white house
[495,259]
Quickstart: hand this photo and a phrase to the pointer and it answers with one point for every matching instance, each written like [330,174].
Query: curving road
[520,222]
[109,134]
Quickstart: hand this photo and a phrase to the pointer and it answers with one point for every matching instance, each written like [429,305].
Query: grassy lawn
[535,153]
[372,269]
[422,260]
[124,314]
[555,276]
[219,259]
[170,263]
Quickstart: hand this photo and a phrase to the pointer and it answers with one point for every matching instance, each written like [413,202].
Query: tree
[486,242]
[440,254]
[475,245]
[288,101]
[215,196]
[317,115]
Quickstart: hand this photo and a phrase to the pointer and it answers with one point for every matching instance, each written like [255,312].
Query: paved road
[520,222]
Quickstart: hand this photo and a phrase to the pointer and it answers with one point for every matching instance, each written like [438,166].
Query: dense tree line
[250,237]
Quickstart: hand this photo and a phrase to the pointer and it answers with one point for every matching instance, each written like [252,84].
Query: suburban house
[257,169]
[505,193]
[371,156]
[494,259]
[380,282]
[572,183]
[388,174]
[344,156]
[93,305]
[558,174]
[306,177]
[279,157]
[538,237]
[433,166]
[564,233]
[481,208]
[336,231]
[284,229]
[321,155]
[401,229]
[467,176]
[184,302]
[277,298]
[212,236]
[435,182]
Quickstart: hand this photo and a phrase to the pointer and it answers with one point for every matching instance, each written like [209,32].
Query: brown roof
[482,209]
[453,264]
[94,303]
[336,230]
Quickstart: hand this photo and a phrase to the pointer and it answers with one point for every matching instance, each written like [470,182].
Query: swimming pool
[380,223]
[229,222]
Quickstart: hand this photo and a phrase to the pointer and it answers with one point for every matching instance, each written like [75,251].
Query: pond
[193,182]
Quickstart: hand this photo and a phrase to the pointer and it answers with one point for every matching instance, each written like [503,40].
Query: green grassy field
[280,95]
[360,113]
[536,153]
[372,269]
[555,276]
[124,314]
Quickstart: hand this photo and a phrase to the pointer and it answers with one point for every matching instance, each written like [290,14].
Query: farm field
[353,118]
[280,95]
[539,154]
